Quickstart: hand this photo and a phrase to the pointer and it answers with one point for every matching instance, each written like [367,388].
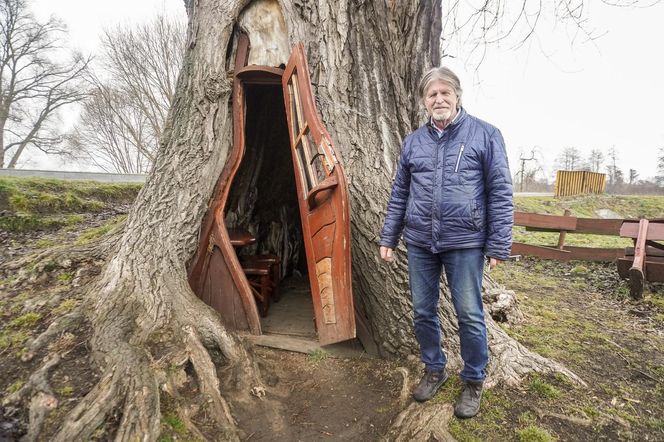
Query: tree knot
[217,85]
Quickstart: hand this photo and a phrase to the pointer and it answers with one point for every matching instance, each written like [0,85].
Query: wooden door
[324,210]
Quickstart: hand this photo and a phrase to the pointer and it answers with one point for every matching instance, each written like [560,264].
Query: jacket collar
[460,116]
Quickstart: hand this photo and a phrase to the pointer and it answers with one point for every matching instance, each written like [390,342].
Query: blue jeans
[463,269]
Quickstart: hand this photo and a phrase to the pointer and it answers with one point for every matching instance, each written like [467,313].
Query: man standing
[452,198]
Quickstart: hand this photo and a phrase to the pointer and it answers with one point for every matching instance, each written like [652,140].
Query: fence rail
[644,261]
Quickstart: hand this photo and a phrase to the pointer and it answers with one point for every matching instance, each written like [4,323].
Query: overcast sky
[552,94]
[549,94]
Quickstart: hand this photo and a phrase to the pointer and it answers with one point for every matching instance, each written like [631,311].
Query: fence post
[563,233]
[636,272]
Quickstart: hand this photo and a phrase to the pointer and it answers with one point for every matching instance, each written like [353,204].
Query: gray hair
[443,74]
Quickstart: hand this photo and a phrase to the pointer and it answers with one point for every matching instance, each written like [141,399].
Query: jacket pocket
[458,161]
[478,215]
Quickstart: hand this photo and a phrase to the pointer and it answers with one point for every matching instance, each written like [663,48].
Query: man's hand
[386,254]
[493,262]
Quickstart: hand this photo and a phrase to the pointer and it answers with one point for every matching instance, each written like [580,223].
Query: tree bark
[365,59]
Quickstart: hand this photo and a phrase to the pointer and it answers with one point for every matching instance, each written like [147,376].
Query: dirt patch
[324,398]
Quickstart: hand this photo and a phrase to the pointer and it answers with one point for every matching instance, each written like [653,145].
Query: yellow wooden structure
[576,182]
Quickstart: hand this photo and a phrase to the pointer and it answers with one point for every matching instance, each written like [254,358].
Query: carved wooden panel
[324,275]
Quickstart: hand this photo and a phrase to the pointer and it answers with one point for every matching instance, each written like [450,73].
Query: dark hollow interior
[263,195]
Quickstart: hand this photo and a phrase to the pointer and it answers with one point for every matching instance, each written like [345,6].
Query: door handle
[319,154]
[328,183]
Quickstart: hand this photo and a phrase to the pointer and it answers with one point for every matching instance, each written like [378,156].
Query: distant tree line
[618,180]
[529,175]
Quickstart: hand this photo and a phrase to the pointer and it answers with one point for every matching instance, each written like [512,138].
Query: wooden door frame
[214,231]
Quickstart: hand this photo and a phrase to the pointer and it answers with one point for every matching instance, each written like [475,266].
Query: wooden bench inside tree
[263,273]
[644,261]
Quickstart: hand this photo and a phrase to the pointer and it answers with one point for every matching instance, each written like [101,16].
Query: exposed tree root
[59,326]
[422,422]
[501,304]
[406,386]
[40,405]
[90,412]
[207,379]
[572,419]
[37,381]
[42,401]
[139,341]
[66,256]
[510,361]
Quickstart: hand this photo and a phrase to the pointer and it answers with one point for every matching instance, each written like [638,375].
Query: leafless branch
[33,86]
[134,88]
[471,28]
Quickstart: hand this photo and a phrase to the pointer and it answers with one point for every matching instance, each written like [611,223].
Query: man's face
[441,101]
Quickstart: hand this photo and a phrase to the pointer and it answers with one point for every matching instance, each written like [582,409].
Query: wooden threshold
[346,349]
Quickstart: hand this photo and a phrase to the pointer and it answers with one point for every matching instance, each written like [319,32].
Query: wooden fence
[644,261]
[575,182]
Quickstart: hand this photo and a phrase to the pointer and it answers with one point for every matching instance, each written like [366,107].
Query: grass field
[37,204]
[587,206]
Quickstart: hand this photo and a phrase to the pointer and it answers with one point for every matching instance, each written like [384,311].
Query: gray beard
[442,116]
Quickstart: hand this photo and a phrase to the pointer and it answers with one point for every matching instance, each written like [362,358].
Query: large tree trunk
[365,60]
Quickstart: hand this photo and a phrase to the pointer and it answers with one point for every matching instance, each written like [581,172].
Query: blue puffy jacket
[452,192]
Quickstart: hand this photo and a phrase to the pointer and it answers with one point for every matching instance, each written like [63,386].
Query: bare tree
[633,175]
[659,179]
[112,135]
[614,172]
[33,86]
[471,29]
[527,173]
[569,159]
[595,160]
[133,91]
[143,62]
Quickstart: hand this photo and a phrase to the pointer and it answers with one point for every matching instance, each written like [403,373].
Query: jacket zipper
[456,168]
